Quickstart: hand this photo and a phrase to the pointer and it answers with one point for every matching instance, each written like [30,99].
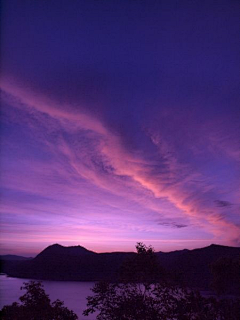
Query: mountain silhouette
[56,262]
[57,249]
[13,257]
[192,267]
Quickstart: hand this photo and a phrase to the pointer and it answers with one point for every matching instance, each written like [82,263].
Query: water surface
[73,293]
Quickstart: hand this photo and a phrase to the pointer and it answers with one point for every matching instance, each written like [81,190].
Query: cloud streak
[88,159]
[120,122]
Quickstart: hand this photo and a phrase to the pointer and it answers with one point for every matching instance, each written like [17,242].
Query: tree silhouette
[142,268]
[226,275]
[36,305]
[143,294]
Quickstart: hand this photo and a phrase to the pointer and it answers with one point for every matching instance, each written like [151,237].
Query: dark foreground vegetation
[144,290]
[36,305]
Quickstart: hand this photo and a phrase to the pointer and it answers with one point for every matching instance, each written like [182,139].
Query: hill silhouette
[192,267]
[13,257]
[57,262]
[57,249]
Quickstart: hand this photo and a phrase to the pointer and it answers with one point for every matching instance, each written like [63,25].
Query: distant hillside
[11,263]
[68,263]
[56,262]
[57,249]
[192,267]
[13,257]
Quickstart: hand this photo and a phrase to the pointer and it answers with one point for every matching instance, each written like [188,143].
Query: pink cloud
[103,165]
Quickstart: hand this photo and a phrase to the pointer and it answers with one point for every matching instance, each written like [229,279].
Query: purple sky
[120,122]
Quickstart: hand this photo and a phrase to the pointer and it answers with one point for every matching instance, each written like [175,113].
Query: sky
[120,123]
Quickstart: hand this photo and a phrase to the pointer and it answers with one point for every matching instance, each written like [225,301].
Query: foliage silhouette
[142,268]
[142,295]
[36,305]
[226,276]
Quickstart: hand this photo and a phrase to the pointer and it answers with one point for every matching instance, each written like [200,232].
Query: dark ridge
[13,257]
[193,267]
[57,249]
[56,262]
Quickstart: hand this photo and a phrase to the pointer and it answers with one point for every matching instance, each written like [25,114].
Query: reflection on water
[73,293]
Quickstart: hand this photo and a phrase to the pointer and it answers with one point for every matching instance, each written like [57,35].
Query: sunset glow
[119,123]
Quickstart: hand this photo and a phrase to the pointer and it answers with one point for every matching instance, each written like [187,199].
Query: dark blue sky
[120,123]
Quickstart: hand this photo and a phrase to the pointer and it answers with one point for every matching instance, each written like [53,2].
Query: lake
[71,292]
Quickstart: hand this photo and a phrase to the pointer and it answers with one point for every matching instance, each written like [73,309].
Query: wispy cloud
[83,169]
